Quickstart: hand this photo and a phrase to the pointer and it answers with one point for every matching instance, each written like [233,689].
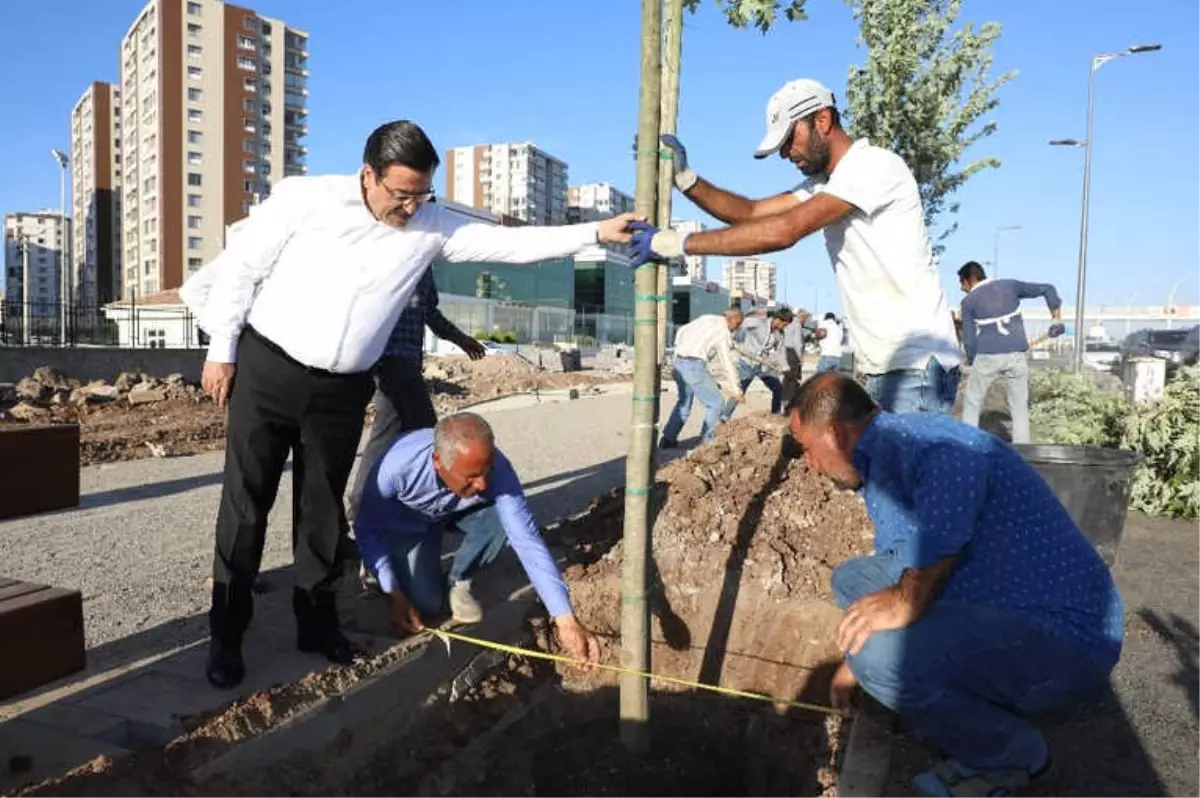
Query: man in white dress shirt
[299,309]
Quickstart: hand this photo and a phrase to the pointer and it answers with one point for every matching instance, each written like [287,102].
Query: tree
[760,14]
[490,286]
[922,92]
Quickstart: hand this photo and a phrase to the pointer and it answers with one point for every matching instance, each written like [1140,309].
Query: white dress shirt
[708,338]
[315,273]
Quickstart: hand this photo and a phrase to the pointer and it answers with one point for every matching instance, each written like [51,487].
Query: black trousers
[279,406]
[402,404]
[792,377]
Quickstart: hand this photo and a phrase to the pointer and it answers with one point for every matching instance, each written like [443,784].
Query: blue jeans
[694,382]
[828,363]
[928,390]
[747,373]
[965,676]
[417,559]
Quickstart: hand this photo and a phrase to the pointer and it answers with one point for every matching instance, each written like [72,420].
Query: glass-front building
[549,283]
[691,299]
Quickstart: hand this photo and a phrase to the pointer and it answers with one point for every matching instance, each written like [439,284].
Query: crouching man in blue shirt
[983,603]
[454,477]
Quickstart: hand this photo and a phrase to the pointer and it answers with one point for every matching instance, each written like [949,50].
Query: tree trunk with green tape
[639,466]
[669,106]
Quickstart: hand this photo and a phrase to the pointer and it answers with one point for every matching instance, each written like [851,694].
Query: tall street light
[1097,62]
[1171,298]
[63,262]
[996,247]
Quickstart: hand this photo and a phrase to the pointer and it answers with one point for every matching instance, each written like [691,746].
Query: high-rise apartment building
[34,245]
[515,180]
[592,201]
[213,110]
[96,195]
[695,266]
[750,276]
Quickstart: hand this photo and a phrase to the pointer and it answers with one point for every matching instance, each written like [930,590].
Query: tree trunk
[672,49]
[639,466]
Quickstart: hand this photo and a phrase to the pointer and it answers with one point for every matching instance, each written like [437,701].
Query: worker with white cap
[866,200]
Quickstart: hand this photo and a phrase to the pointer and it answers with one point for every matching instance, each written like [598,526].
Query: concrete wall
[99,363]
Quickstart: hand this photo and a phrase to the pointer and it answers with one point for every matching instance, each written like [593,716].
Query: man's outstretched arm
[769,233]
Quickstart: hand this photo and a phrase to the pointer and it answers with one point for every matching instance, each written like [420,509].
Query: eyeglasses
[405,198]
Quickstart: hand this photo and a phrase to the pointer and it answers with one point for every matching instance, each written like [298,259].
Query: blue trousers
[748,373]
[693,381]
[966,676]
[417,559]
[928,390]
[828,363]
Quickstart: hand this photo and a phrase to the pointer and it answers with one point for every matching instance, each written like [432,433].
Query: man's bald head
[833,397]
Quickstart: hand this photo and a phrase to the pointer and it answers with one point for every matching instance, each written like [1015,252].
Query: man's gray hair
[735,313]
[455,433]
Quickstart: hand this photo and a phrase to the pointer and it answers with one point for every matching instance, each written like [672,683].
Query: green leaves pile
[1167,433]
[1070,409]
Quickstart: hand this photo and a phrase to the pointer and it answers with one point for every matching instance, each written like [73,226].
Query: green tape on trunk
[637,491]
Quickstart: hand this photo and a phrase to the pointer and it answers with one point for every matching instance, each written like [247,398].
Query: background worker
[454,477]
[795,338]
[759,342]
[867,202]
[829,338]
[993,334]
[983,603]
[704,342]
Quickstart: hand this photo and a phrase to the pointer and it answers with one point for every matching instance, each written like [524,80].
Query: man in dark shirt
[983,603]
[994,337]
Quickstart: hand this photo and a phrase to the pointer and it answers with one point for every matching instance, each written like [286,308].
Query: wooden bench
[41,468]
[41,634]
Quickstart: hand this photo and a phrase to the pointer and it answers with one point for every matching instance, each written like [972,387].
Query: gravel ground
[139,547]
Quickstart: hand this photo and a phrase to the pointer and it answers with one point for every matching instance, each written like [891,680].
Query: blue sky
[564,74]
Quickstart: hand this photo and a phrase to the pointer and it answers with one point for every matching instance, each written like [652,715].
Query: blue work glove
[651,244]
[684,178]
[1056,330]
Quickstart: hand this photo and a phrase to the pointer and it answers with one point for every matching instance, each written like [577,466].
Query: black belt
[278,350]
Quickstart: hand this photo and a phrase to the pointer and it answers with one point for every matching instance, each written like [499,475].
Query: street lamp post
[1171,299]
[64,264]
[1081,285]
[996,247]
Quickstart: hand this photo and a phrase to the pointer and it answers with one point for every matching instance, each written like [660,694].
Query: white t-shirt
[831,344]
[888,278]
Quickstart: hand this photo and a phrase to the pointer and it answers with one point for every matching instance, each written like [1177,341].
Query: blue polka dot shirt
[935,487]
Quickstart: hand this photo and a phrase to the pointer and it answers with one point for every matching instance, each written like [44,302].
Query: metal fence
[76,324]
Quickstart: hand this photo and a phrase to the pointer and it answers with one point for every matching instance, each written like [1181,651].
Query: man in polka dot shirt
[983,603]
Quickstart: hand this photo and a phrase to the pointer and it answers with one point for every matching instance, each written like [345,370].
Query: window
[194,95]
[246,63]
[248,166]
[193,179]
[195,73]
[193,201]
[249,23]
[194,242]
[193,9]
[250,85]
[193,137]
[245,43]
[194,115]
[248,186]
[266,29]
[193,29]
[193,222]
[194,263]
[194,159]
[194,52]
[249,145]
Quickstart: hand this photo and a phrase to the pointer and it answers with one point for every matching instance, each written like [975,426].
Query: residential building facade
[750,276]
[510,180]
[695,266]
[590,202]
[34,249]
[96,195]
[213,112]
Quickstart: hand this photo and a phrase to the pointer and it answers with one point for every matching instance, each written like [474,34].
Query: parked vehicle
[1177,347]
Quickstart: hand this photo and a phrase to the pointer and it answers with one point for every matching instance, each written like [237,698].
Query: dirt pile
[456,380]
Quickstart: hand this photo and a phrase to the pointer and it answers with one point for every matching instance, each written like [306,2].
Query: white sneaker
[464,607]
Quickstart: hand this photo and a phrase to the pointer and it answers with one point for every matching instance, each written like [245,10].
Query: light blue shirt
[403,496]
[936,487]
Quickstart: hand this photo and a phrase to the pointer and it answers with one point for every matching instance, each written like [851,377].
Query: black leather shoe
[334,645]
[225,666]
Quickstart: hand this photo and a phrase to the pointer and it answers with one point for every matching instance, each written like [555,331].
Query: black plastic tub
[1093,483]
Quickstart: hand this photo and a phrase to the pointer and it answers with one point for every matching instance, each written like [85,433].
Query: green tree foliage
[760,14]
[924,92]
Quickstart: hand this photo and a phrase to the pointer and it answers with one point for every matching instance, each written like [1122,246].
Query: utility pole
[639,466]
[28,333]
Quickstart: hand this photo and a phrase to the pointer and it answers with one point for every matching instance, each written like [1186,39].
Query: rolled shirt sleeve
[248,258]
[526,539]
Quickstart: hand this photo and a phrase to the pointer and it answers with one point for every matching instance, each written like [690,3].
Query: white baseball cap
[796,100]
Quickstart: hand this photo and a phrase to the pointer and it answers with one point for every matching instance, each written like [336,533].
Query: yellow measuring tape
[447,636]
